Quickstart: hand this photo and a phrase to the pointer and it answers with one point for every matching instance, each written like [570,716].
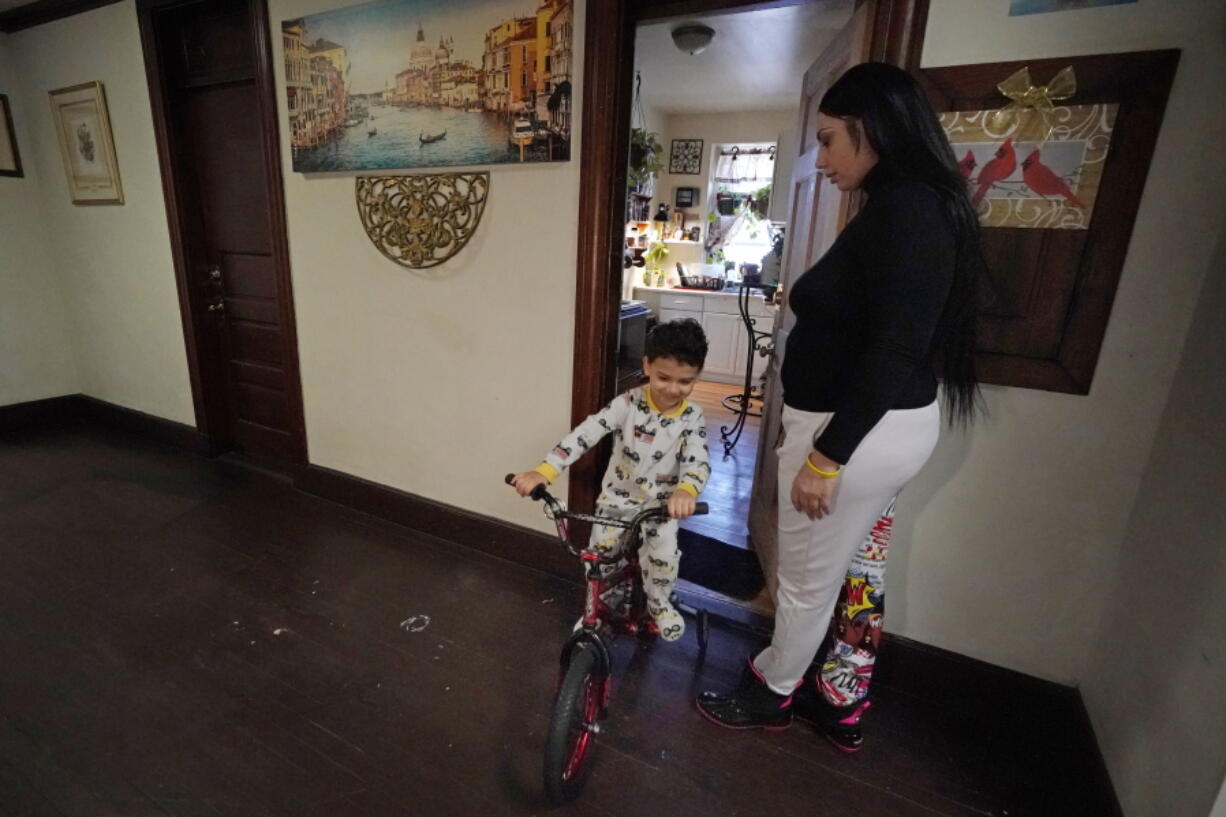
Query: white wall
[437,383]
[1157,677]
[36,359]
[1219,807]
[125,328]
[1014,529]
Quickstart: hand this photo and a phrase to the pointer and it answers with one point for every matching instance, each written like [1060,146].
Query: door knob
[215,274]
[220,306]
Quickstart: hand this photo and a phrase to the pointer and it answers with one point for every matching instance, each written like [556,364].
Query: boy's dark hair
[683,340]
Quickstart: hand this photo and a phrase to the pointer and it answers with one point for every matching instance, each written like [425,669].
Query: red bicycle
[614,604]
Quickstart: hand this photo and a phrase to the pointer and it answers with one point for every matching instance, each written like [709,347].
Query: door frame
[897,37]
[204,395]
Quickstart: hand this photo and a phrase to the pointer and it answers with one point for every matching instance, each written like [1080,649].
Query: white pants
[814,554]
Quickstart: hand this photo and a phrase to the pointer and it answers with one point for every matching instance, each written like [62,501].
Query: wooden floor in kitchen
[183,636]
[727,493]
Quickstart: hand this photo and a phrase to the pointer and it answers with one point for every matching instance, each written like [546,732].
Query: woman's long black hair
[887,106]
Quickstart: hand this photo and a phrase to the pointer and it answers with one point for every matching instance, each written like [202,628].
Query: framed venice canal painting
[404,84]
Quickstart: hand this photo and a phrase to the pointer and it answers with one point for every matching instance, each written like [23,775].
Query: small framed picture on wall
[86,143]
[10,158]
[686,197]
[685,157]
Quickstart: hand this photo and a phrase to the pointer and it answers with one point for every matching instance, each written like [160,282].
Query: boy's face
[671,381]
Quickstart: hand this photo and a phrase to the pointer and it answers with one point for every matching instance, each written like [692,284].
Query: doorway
[725,120]
[888,31]
[210,80]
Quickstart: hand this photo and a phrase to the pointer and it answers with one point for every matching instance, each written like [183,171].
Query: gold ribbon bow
[1024,95]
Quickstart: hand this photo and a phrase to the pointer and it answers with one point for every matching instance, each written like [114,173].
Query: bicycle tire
[569,743]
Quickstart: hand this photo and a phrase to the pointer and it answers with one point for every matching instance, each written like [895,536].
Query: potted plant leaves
[646,158]
[654,257]
[725,201]
[762,200]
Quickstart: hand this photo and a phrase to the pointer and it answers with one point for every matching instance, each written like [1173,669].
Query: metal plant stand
[747,403]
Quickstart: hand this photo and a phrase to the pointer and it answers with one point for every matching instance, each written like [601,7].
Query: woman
[888,309]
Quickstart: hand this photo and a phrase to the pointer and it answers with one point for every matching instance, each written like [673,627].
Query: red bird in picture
[995,170]
[1043,180]
[967,165]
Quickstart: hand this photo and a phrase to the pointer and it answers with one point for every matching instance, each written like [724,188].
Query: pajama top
[653,453]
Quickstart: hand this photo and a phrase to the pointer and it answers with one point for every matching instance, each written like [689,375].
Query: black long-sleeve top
[866,314]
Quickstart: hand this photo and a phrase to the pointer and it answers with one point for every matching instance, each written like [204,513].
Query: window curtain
[735,165]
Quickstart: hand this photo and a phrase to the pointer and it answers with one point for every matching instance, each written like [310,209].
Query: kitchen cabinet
[727,337]
[723,332]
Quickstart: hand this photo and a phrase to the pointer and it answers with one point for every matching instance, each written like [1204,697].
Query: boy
[659,455]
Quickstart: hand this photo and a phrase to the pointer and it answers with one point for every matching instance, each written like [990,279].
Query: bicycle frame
[601,622]
[584,688]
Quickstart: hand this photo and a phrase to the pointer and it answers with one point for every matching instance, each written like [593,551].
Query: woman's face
[843,159]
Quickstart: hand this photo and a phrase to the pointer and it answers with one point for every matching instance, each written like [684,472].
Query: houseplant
[654,257]
[762,200]
[646,158]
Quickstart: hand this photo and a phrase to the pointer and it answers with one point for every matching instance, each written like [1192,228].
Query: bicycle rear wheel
[572,727]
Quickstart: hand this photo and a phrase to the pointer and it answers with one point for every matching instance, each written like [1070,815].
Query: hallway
[187,637]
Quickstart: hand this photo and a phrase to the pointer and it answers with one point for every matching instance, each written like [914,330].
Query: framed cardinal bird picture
[1033,169]
[1057,188]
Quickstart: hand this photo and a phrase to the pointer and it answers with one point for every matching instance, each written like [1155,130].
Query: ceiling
[754,63]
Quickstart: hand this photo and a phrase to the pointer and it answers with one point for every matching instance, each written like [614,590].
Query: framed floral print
[685,157]
[86,144]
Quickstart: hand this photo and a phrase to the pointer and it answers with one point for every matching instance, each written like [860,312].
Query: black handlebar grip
[701,508]
[538,493]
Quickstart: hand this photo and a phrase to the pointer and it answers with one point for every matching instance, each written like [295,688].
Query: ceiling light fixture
[692,37]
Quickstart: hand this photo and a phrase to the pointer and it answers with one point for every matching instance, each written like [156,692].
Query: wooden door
[209,75]
[817,213]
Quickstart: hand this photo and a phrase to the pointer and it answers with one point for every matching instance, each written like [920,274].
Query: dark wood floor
[185,637]
[728,490]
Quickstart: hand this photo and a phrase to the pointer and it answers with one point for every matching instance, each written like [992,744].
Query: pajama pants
[815,556]
[843,666]
[659,556]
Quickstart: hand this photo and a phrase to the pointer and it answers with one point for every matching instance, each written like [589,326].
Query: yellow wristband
[820,472]
[547,471]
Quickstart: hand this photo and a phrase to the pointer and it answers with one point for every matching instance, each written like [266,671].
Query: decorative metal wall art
[685,156]
[421,221]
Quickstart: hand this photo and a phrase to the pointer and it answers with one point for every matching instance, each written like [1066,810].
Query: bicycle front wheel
[572,727]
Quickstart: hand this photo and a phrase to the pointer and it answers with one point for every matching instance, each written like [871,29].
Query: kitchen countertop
[726,293]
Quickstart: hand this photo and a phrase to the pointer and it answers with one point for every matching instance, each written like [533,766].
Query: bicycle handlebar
[539,493]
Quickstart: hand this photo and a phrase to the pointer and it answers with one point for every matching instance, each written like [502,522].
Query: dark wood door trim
[174,191]
[158,95]
[266,89]
[608,64]
[898,35]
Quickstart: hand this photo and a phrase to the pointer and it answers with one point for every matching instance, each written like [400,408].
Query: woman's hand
[525,483]
[681,504]
[813,495]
